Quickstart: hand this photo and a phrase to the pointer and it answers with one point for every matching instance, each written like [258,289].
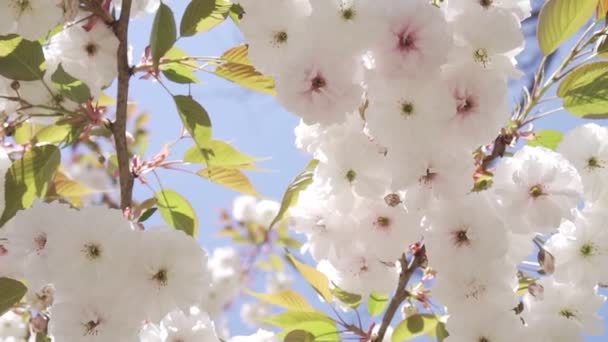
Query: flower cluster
[395,96]
[97,277]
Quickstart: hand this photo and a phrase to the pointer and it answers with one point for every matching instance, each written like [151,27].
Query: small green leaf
[146,215]
[301,182]
[287,299]
[177,212]
[70,87]
[315,278]
[547,138]
[219,153]
[21,59]
[164,33]
[203,15]
[236,13]
[315,322]
[53,134]
[376,303]
[415,326]
[28,178]
[238,69]
[585,91]
[177,68]
[26,131]
[441,333]
[299,336]
[230,178]
[560,19]
[66,187]
[11,292]
[195,119]
[353,300]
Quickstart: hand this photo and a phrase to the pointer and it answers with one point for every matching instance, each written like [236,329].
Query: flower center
[460,237]
[536,191]
[407,109]
[407,41]
[486,4]
[383,222]
[481,56]
[593,163]
[40,242]
[392,200]
[92,251]
[588,249]
[161,277]
[348,13]
[280,37]
[91,49]
[466,105]
[351,175]
[90,327]
[317,83]
[567,313]
[428,178]
[483,339]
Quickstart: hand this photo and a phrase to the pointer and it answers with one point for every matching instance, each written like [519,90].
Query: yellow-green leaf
[70,87]
[195,119]
[178,69]
[230,178]
[352,300]
[301,182]
[21,59]
[26,131]
[11,292]
[177,212]
[315,278]
[66,187]
[585,91]
[315,322]
[548,138]
[376,303]
[415,326]
[299,336]
[238,69]
[53,134]
[28,178]
[203,15]
[219,153]
[164,33]
[287,299]
[560,19]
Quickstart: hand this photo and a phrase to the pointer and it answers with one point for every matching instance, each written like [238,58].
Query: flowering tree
[431,205]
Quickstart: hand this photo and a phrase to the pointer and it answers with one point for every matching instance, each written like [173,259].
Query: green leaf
[299,336]
[146,215]
[28,178]
[203,15]
[376,303]
[287,299]
[177,212]
[301,182]
[353,300]
[178,69]
[195,119]
[70,87]
[441,333]
[315,322]
[548,138]
[315,278]
[236,13]
[560,19]
[11,292]
[53,134]
[164,33]
[66,187]
[219,153]
[415,326]
[230,178]
[21,59]
[238,69]
[26,131]
[585,91]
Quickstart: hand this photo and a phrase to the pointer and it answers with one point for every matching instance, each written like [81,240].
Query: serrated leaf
[70,87]
[203,15]
[376,303]
[230,178]
[299,336]
[315,322]
[195,119]
[560,19]
[585,91]
[415,326]
[11,292]
[177,212]
[315,278]
[238,69]
[66,187]
[219,153]
[21,59]
[548,138]
[287,299]
[28,178]
[164,33]
[353,300]
[290,198]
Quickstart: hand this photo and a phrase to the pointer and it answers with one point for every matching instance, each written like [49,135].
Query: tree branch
[119,127]
[401,293]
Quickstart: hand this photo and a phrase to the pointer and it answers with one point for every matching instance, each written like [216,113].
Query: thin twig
[119,127]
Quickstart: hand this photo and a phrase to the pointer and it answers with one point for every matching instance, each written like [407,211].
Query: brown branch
[119,126]
[401,293]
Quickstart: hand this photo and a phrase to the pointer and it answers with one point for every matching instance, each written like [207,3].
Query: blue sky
[252,122]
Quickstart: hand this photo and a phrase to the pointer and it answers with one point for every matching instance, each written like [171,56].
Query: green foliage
[376,303]
[299,336]
[66,187]
[218,153]
[177,212]
[179,70]
[230,178]
[352,300]
[146,214]
[195,119]
[203,15]
[548,138]
[28,178]
[315,322]
[70,87]
[301,182]
[287,299]
[164,33]
[585,91]
[560,19]
[21,59]
[53,134]
[238,69]
[11,292]
[315,278]
[415,326]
